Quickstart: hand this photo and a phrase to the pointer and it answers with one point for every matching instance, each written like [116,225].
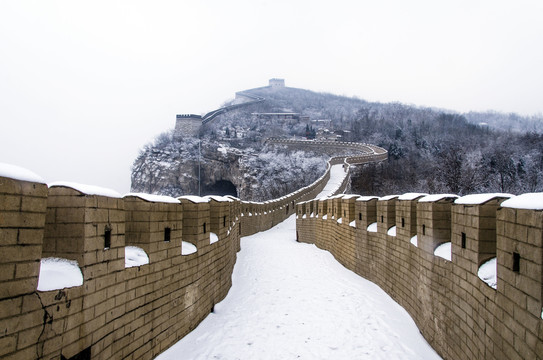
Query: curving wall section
[119,312]
[391,241]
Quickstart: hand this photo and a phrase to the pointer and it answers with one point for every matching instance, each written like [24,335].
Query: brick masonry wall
[118,312]
[22,218]
[136,312]
[460,315]
[188,126]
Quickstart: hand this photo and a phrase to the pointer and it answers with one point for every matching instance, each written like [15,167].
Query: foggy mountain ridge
[430,150]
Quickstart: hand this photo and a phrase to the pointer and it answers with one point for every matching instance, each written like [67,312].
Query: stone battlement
[121,311]
[391,241]
[118,311]
[189,116]
[188,124]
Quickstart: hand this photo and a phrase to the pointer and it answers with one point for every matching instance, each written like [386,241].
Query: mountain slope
[430,150]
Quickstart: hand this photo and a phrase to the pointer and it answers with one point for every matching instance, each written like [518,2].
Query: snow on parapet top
[366,198]
[350,196]
[437,197]
[218,198]
[388,197]
[194,199]
[87,189]
[411,196]
[19,173]
[530,201]
[154,198]
[232,197]
[477,199]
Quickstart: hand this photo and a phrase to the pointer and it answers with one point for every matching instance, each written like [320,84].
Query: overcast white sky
[84,85]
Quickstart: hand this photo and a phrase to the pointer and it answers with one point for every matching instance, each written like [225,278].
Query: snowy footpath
[294,301]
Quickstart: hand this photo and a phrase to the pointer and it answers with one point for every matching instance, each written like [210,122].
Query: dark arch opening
[221,187]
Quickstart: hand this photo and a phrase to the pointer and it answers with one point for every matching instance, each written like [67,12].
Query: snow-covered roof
[411,196]
[19,173]
[530,201]
[87,189]
[194,199]
[477,199]
[388,197]
[437,197]
[154,198]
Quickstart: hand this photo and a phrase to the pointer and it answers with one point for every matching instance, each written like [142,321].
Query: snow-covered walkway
[294,301]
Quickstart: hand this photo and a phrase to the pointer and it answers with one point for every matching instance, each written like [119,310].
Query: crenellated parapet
[120,309]
[151,267]
[431,252]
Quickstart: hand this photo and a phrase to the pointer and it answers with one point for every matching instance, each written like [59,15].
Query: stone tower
[277,83]
[188,125]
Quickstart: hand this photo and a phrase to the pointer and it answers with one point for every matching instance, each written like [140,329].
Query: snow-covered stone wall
[122,308]
[462,315]
[181,257]
[119,310]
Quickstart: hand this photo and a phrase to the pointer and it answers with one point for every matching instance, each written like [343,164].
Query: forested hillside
[430,150]
[447,154]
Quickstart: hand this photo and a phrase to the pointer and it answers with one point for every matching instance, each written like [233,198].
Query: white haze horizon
[84,86]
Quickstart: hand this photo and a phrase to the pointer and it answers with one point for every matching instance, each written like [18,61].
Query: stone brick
[8,345]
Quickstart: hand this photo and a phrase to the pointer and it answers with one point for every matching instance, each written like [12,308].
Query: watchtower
[277,83]
[188,125]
